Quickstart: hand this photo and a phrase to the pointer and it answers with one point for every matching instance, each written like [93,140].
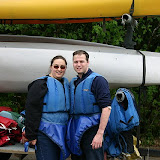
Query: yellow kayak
[50,11]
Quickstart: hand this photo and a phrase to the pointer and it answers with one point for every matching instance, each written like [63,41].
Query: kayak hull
[39,11]
[22,62]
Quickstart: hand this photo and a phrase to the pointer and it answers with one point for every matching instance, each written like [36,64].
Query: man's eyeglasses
[62,67]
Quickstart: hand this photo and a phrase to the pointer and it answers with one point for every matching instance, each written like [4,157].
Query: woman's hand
[24,139]
[33,142]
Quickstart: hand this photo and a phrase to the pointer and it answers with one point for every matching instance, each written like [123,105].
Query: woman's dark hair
[58,57]
[80,52]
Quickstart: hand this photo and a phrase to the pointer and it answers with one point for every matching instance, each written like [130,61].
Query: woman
[47,108]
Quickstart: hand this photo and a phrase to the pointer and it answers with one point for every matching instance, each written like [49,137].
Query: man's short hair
[80,52]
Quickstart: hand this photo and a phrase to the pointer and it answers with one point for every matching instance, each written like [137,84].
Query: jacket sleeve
[33,107]
[101,91]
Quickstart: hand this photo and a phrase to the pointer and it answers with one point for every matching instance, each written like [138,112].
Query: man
[90,110]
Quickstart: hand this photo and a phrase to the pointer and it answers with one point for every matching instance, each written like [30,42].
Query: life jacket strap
[128,121]
[83,114]
[57,112]
[95,104]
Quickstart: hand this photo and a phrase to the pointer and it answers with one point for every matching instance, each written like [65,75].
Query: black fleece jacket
[34,105]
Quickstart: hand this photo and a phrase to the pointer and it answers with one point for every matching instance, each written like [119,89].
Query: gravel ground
[28,157]
[32,157]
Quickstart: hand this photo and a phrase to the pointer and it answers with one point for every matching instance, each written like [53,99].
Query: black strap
[123,122]
[132,8]
[104,24]
[127,122]
[141,89]
[130,119]
[144,68]
[84,114]
[57,112]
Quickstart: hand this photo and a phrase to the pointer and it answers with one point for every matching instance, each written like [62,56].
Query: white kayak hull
[23,62]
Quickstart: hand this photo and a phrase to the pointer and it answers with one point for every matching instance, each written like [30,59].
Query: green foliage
[6,99]
[89,31]
[151,111]
[149,105]
[147,34]
[14,100]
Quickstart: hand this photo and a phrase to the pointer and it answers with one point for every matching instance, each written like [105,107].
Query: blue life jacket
[82,99]
[55,113]
[84,112]
[111,143]
[120,120]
